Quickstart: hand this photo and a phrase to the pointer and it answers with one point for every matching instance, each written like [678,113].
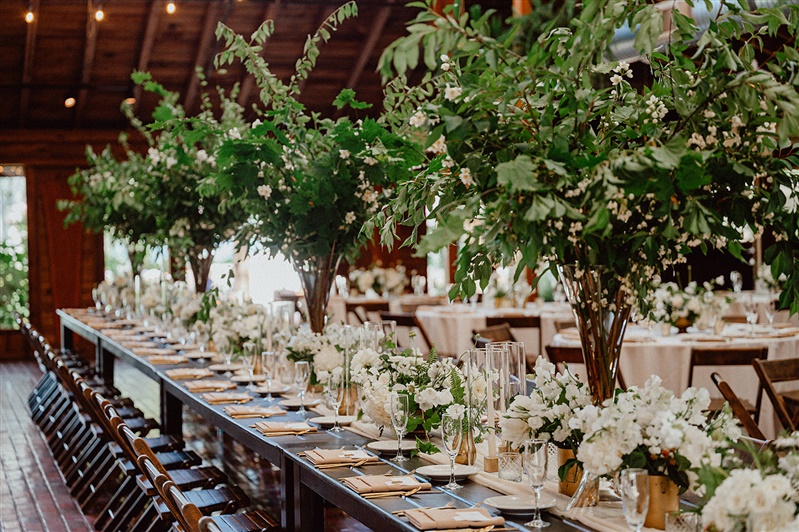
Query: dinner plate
[517,504]
[246,378]
[440,472]
[198,355]
[389,447]
[327,421]
[234,366]
[276,390]
[293,403]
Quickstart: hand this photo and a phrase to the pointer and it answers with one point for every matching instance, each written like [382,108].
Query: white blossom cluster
[671,303]
[325,350]
[378,281]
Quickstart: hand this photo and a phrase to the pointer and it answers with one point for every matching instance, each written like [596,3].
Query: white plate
[234,366]
[517,504]
[389,447]
[276,390]
[328,421]
[199,355]
[440,472]
[293,403]
[246,378]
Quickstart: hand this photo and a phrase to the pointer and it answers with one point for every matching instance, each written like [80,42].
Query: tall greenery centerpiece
[310,183]
[112,195]
[178,162]
[549,154]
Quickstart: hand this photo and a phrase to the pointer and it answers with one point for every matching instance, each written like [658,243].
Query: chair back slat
[515,321]
[361,309]
[738,407]
[775,371]
[495,333]
[728,356]
[563,355]
[410,321]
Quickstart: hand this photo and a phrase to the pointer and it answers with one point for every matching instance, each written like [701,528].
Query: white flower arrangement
[233,325]
[651,428]
[670,303]
[379,281]
[326,350]
[761,499]
[547,411]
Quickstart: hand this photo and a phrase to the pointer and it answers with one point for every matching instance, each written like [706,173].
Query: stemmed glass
[536,455]
[302,374]
[452,434]
[228,354]
[634,496]
[98,304]
[399,406]
[248,361]
[750,309]
[268,365]
[737,281]
[335,394]
[770,310]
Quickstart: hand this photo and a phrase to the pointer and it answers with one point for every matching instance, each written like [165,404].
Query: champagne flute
[335,394]
[302,374]
[399,406]
[634,496]
[268,366]
[536,455]
[452,435]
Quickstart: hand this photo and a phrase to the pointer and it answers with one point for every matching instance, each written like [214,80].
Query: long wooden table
[304,489]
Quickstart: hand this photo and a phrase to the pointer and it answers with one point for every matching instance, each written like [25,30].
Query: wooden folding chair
[495,333]
[361,310]
[770,372]
[562,356]
[409,321]
[724,357]
[738,407]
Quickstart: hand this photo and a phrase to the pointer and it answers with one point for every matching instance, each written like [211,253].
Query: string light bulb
[29,16]
[99,15]
[171,8]
[70,102]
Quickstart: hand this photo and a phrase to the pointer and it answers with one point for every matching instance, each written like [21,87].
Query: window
[13,245]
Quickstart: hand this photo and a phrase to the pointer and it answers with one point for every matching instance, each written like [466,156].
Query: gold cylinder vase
[664,497]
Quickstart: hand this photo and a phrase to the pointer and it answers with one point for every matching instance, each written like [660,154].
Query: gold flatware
[407,493]
[359,463]
[402,512]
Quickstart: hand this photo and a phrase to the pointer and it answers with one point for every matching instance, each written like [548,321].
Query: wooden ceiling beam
[203,55]
[247,81]
[146,50]
[27,66]
[88,62]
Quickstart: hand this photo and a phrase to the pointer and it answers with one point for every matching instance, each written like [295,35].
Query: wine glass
[335,394]
[750,309]
[418,283]
[737,281]
[536,455]
[452,435]
[302,374]
[248,361]
[399,406]
[98,304]
[228,354]
[268,366]
[634,487]
[770,310]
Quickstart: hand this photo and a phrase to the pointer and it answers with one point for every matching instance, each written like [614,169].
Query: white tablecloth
[670,358]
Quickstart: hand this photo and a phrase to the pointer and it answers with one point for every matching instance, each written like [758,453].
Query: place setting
[335,458]
[247,412]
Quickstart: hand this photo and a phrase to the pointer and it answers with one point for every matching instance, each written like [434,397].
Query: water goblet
[452,435]
[770,310]
[536,456]
[750,309]
[228,354]
[342,286]
[399,405]
[335,394]
[634,488]
[302,376]
[737,281]
[268,367]
[248,361]
[418,283]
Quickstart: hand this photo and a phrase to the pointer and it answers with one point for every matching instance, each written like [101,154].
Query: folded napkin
[218,398]
[338,456]
[166,359]
[384,484]
[136,344]
[153,351]
[182,374]
[452,518]
[210,386]
[242,412]
[273,428]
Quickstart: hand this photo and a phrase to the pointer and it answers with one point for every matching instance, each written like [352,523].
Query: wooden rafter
[247,81]
[202,56]
[27,67]
[147,46]
[88,62]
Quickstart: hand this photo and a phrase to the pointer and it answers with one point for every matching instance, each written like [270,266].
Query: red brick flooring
[33,496]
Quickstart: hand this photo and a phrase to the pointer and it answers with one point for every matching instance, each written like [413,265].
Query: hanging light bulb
[70,102]
[29,16]
[99,15]
[171,8]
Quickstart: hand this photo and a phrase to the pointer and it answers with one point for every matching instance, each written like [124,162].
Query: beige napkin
[219,398]
[153,351]
[182,374]
[451,518]
[243,412]
[384,483]
[137,344]
[166,359]
[338,456]
[210,386]
[281,428]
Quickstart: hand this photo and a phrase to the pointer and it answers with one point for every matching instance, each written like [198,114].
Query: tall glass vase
[317,276]
[200,259]
[601,310]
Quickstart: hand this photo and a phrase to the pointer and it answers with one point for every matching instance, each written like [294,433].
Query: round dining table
[645,353]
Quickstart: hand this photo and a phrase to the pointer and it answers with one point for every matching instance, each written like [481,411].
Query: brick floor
[33,495]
